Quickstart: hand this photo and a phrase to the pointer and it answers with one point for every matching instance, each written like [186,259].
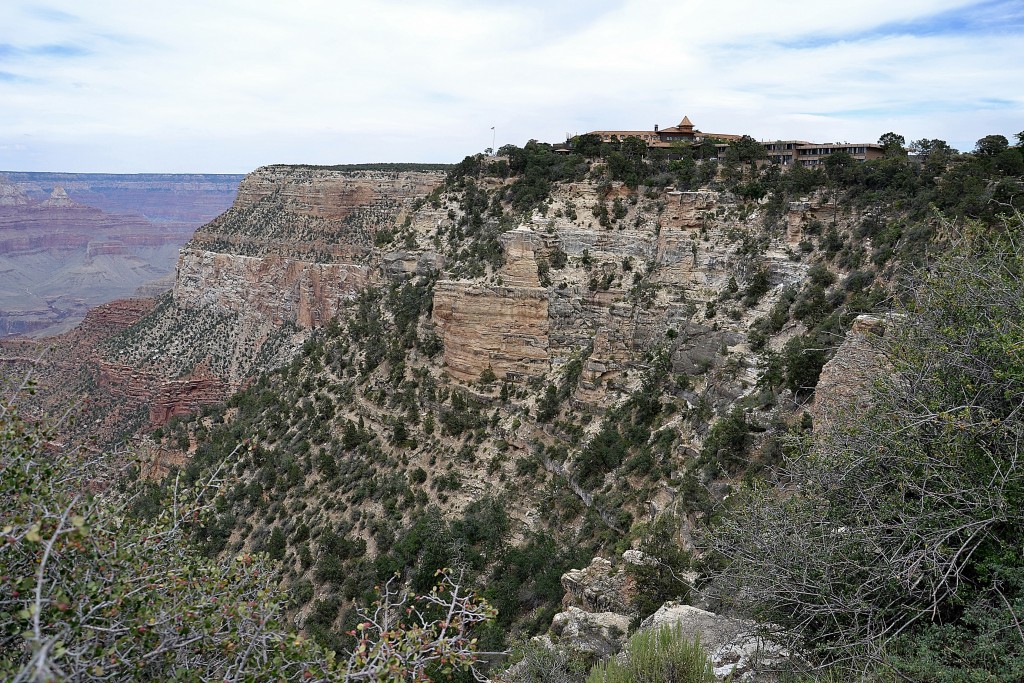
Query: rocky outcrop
[295,244]
[58,199]
[271,288]
[600,634]
[737,648]
[844,386]
[504,326]
[599,587]
[185,396]
[598,612]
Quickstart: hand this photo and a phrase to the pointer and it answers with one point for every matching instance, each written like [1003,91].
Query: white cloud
[127,86]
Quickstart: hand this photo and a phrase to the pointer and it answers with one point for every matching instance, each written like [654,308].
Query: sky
[127,86]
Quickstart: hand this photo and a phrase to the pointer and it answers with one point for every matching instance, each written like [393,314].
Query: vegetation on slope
[91,592]
[898,546]
[376,496]
[360,458]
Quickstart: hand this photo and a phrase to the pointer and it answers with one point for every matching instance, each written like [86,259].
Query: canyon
[395,368]
[69,242]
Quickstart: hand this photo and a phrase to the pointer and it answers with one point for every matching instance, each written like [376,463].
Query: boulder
[601,634]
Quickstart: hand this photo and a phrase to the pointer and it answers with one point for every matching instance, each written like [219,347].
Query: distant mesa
[59,199]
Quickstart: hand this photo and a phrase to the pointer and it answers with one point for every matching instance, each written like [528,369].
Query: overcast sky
[229,85]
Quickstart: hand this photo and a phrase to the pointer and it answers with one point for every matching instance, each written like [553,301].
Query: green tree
[588,145]
[893,144]
[991,145]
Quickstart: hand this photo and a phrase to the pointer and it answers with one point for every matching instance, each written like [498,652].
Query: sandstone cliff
[502,326]
[646,284]
[296,243]
[250,286]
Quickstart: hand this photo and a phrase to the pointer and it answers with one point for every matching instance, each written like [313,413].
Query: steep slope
[539,377]
[250,288]
[281,262]
[509,368]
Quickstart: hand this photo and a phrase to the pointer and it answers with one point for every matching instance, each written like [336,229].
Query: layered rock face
[283,260]
[296,243]
[270,288]
[503,327]
[651,281]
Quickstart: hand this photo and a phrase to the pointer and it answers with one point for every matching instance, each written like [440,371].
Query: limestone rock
[520,269]
[599,588]
[845,381]
[736,648]
[601,634]
[400,264]
[639,558]
[306,294]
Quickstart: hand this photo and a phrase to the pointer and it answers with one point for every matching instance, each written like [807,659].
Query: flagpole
[494,137]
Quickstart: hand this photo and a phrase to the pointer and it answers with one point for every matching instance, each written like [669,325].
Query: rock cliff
[844,387]
[296,244]
[654,281]
[502,326]
[250,286]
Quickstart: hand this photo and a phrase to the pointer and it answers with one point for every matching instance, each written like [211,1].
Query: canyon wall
[184,199]
[296,244]
[504,327]
[658,279]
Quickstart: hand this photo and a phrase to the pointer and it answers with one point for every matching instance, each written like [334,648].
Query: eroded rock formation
[504,326]
[844,387]
[296,243]
[599,587]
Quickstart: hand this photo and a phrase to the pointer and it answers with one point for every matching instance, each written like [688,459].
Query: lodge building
[781,152]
